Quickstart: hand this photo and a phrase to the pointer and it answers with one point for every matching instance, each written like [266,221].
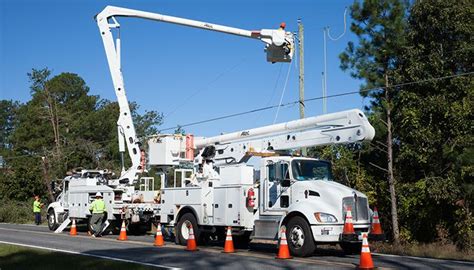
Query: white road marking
[88,254]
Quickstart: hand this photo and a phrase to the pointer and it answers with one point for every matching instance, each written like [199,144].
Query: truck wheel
[182,231]
[299,236]
[351,248]
[52,223]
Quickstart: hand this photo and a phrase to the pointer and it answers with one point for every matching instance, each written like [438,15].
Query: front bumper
[332,233]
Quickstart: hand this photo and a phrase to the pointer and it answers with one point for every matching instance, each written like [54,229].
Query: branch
[381,143]
[378,167]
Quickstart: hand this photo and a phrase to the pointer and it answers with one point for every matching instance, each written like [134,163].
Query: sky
[187,74]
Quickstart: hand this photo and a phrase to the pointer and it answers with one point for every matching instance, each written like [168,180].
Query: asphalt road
[140,249]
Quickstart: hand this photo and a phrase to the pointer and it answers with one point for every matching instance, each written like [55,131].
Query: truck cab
[300,193]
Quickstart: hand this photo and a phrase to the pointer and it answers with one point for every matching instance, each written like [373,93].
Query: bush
[17,212]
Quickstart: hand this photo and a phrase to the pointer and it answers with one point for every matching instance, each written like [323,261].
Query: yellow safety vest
[97,206]
[36,207]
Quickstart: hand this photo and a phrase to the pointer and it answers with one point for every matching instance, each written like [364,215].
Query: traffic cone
[365,257]
[73,230]
[348,225]
[283,251]
[376,228]
[191,244]
[159,237]
[123,232]
[229,244]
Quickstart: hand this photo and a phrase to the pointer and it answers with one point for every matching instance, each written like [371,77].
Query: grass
[436,250]
[16,257]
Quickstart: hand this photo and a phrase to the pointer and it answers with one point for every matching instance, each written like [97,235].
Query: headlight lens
[325,217]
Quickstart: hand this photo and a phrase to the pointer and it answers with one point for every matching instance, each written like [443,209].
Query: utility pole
[301,72]
[325,74]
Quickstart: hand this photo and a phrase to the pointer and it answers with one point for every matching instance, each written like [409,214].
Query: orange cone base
[284,258]
[283,253]
[230,251]
[158,244]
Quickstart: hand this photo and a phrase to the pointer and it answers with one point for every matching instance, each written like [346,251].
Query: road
[140,249]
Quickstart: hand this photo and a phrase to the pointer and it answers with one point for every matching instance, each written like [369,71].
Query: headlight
[325,218]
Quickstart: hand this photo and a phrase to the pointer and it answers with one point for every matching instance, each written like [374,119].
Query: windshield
[304,169]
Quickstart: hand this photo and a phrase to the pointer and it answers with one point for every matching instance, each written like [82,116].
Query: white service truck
[210,183]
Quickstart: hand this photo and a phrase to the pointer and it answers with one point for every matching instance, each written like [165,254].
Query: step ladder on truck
[209,183]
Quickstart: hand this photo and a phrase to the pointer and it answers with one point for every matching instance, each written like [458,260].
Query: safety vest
[97,206]
[36,207]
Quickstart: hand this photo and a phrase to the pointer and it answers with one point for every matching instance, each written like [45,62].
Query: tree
[379,25]
[61,128]
[435,121]
[8,111]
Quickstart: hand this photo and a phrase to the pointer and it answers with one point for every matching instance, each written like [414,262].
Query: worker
[37,205]
[282,26]
[97,209]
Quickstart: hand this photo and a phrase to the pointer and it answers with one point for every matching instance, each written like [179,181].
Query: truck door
[276,197]
[65,197]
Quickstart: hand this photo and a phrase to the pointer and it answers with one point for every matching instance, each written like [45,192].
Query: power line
[316,98]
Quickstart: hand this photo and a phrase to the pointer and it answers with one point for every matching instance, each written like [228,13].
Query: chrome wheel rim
[185,229]
[297,236]
[51,219]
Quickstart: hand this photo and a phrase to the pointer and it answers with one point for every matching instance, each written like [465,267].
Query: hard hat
[98,194]
[283,25]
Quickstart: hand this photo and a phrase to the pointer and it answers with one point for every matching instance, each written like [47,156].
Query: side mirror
[285,182]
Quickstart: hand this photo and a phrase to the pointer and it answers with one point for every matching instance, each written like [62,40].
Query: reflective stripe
[365,249]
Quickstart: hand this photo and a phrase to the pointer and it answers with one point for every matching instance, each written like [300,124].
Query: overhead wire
[343,33]
[317,98]
[220,75]
[282,93]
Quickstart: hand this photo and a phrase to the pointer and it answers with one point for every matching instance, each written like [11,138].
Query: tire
[182,230]
[299,237]
[351,248]
[52,222]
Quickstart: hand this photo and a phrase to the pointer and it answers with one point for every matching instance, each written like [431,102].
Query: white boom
[335,128]
[279,46]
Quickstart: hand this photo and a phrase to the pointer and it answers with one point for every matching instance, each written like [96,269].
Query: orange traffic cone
[123,232]
[365,257]
[348,225]
[283,251]
[191,245]
[229,244]
[73,230]
[159,237]
[376,228]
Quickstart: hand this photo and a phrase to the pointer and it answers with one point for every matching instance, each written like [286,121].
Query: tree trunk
[46,180]
[391,178]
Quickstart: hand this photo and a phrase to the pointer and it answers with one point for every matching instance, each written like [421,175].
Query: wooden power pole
[301,72]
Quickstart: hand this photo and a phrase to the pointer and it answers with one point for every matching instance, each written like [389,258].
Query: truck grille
[359,207]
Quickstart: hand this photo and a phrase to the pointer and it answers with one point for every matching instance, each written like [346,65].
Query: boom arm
[279,46]
[336,128]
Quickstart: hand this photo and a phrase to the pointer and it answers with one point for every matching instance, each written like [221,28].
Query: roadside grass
[436,250]
[16,257]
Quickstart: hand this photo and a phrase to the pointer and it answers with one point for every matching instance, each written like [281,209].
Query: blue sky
[188,74]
